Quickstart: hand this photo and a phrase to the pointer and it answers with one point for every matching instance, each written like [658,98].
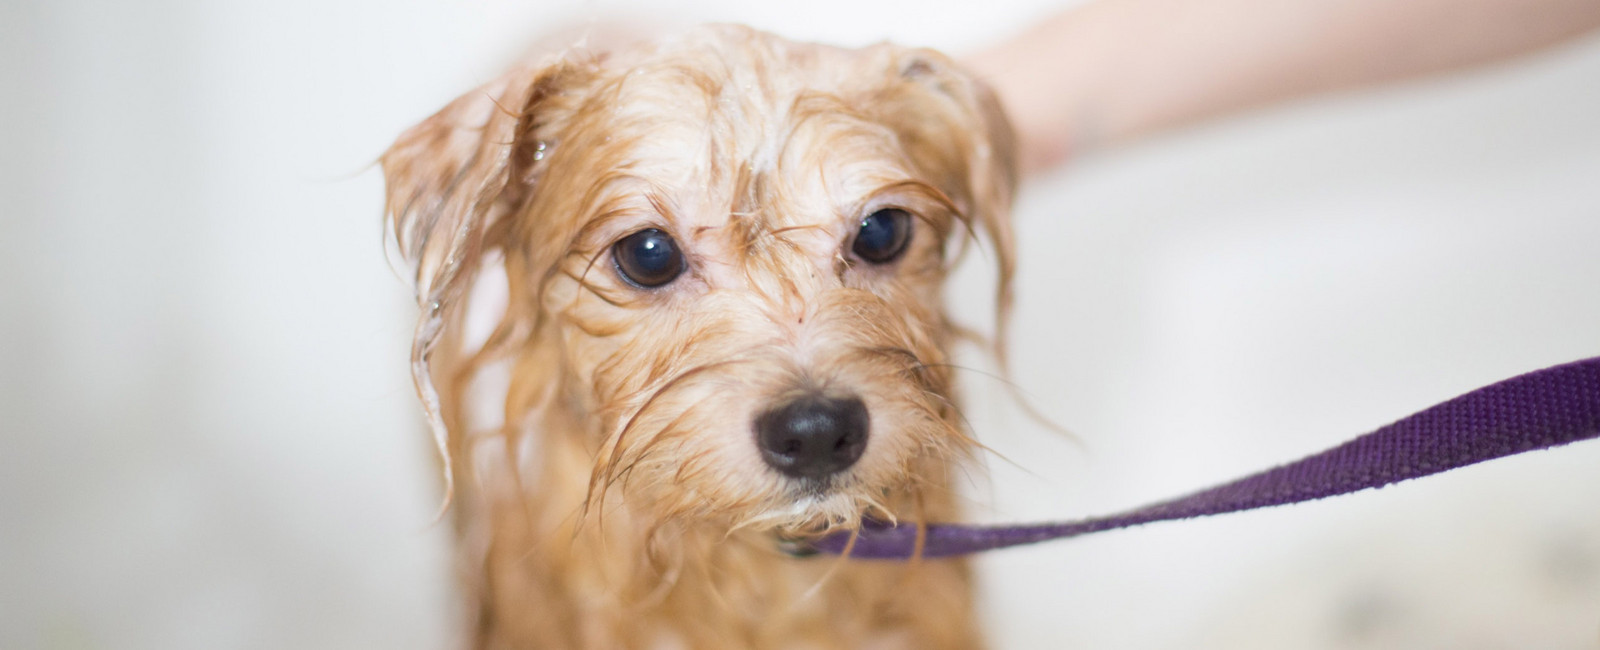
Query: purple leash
[1541,409]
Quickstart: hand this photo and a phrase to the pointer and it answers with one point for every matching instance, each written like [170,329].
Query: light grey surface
[1227,299]
[207,439]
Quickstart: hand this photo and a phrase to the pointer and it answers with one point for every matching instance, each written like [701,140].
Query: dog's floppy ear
[450,180]
[991,152]
[955,129]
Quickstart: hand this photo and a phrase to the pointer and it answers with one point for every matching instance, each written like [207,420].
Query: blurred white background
[208,440]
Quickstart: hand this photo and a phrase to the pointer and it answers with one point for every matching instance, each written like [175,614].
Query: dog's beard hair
[624,465]
[675,451]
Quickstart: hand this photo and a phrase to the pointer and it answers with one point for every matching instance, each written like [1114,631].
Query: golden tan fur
[619,500]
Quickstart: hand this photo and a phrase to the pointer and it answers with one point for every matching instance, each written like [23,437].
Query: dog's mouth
[820,515]
[811,490]
[816,499]
[812,507]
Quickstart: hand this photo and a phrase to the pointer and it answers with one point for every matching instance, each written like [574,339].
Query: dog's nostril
[813,436]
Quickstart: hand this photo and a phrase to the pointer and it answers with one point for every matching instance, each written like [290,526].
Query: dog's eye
[648,258]
[883,236]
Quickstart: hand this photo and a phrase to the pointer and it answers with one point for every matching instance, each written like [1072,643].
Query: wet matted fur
[614,495]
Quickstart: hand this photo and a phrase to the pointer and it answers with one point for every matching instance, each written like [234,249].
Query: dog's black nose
[813,436]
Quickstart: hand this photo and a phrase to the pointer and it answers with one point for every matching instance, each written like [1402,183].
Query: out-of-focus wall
[1233,297]
[207,437]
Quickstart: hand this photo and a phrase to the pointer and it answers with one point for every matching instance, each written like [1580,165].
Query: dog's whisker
[608,457]
[953,366]
[969,441]
[929,387]
[929,391]
[1017,392]
[644,450]
[1023,400]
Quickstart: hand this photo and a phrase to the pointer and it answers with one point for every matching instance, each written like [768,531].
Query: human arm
[1112,70]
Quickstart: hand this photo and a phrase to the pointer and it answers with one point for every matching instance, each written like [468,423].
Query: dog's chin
[814,507]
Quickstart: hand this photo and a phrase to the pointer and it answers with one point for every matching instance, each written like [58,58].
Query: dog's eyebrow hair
[658,202]
[922,191]
[617,206]
[605,210]
[588,230]
[923,188]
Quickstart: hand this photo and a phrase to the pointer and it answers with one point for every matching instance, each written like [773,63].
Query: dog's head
[725,255]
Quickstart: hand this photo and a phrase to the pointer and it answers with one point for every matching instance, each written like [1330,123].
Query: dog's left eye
[648,258]
[883,236]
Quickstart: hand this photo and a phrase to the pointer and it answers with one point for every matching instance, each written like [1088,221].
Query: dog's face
[725,256]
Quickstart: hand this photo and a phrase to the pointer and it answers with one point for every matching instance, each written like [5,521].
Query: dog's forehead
[738,127]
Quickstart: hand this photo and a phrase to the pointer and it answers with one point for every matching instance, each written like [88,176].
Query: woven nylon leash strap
[1539,410]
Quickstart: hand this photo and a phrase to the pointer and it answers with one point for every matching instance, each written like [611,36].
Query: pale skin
[1114,70]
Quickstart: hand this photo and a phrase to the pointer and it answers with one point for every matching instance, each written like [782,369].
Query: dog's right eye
[648,258]
[883,236]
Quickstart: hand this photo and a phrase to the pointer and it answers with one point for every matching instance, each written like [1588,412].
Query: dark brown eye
[648,258]
[883,236]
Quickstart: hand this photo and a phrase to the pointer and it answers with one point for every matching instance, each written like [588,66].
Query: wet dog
[697,282]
